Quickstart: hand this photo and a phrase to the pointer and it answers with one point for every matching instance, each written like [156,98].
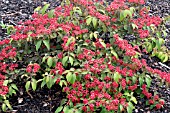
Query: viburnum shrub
[81,46]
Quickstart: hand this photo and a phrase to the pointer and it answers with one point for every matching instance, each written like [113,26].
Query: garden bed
[45,100]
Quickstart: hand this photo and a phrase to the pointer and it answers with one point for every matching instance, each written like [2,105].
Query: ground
[45,100]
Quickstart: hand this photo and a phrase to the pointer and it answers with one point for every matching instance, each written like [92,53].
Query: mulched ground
[45,100]
[41,101]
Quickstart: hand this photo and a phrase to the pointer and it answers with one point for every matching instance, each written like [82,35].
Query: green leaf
[50,61]
[70,104]
[131,105]
[141,81]
[10,91]
[88,20]
[121,16]
[165,58]
[129,109]
[152,27]
[164,32]
[91,35]
[77,10]
[147,102]
[43,83]
[8,104]
[47,79]
[27,85]
[149,48]
[5,83]
[114,53]
[152,106]
[120,107]
[64,60]
[68,41]
[63,101]
[84,72]
[38,44]
[34,84]
[44,58]
[78,105]
[134,79]
[103,110]
[9,29]
[71,77]
[95,34]
[101,11]
[103,44]
[167,18]
[125,27]
[37,9]
[44,9]
[3,107]
[50,83]
[158,45]
[66,109]
[54,79]
[71,60]
[14,86]
[126,13]
[148,81]
[104,27]
[162,57]
[59,109]
[134,26]
[51,13]
[138,91]
[127,94]
[134,100]
[132,10]
[47,43]
[142,95]
[158,34]
[78,111]
[67,2]
[117,76]
[161,41]
[61,82]
[3,25]
[160,54]
[94,21]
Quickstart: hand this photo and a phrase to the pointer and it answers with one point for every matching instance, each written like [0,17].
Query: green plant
[155,46]
[9,28]
[80,46]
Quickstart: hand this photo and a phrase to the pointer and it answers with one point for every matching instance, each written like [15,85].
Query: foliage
[80,45]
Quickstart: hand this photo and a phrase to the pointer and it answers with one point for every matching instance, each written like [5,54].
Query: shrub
[81,46]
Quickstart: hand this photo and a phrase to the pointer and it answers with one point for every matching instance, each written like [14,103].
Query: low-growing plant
[80,45]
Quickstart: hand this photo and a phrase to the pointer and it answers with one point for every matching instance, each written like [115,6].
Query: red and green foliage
[80,45]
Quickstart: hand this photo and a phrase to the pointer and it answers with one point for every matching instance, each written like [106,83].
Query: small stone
[20,100]
[147,109]
[45,104]
[148,112]
[136,110]
[141,110]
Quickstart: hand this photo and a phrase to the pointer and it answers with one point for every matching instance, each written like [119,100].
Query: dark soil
[41,101]
[45,100]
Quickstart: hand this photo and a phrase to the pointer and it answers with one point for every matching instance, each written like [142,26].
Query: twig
[30,94]
[20,105]
[11,14]
[164,65]
[12,22]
